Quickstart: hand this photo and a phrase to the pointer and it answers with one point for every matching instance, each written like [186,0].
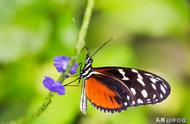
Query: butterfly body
[114,89]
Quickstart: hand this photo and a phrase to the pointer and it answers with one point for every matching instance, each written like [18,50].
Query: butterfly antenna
[102,46]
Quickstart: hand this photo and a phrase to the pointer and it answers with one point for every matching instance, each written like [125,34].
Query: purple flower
[74,69]
[61,63]
[54,86]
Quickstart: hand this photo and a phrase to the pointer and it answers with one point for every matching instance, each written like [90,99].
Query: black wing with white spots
[138,87]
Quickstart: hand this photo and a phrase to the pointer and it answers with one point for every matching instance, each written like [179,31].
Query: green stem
[85,23]
[80,44]
[45,104]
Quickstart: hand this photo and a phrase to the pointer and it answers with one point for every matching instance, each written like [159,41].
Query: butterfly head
[87,70]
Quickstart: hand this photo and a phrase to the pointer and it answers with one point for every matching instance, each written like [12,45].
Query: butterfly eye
[90,60]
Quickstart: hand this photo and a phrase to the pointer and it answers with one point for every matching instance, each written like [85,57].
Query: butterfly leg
[69,84]
[80,65]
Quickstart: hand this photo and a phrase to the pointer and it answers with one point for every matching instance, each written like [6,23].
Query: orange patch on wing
[99,94]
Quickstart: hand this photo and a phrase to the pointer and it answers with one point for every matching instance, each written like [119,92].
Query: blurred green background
[152,35]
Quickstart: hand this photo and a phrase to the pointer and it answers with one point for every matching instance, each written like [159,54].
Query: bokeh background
[152,35]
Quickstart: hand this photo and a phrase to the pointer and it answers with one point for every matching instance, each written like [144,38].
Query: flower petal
[60,89]
[48,82]
[74,69]
[54,86]
[61,62]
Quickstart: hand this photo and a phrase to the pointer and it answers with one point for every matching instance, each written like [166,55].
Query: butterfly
[114,89]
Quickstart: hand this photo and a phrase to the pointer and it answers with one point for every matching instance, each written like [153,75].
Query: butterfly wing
[105,94]
[114,89]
